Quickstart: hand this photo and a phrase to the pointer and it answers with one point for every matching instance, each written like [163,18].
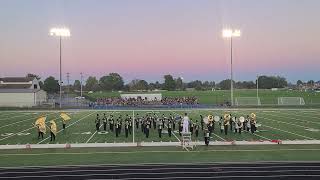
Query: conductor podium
[186,141]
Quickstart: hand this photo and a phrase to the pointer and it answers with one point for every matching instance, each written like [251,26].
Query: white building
[21,92]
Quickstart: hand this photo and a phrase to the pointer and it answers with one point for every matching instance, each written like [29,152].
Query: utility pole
[68,85]
[81,76]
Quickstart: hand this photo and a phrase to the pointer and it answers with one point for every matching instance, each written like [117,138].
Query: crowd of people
[118,101]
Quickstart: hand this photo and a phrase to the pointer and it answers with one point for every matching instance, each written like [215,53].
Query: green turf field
[267,96]
[138,155]
[285,124]
[16,127]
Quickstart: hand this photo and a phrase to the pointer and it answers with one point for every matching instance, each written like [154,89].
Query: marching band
[162,124]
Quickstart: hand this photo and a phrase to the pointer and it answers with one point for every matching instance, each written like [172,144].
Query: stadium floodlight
[60,32]
[230,33]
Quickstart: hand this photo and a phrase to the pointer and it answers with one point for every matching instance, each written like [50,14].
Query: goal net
[247,101]
[291,101]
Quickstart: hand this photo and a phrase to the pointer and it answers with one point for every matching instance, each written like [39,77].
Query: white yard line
[212,132]
[68,126]
[292,124]
[255,134]
[167,127]
[262,136]
[20,131]
[17,122]
[96,130]
[17,117]
[16,133]
[300,119]
[288,132]
[305,127]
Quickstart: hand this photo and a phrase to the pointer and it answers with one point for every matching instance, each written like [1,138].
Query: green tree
[169,83]
[51,85]
[138,84]
[112,82]
[299,83]
[179,84]
[77,85]
[225,84]
[268,82]
[91,84]
[310,83]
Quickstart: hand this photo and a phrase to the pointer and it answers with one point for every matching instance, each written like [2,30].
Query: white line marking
[99,128]
[18,122]
[288,132]
[67,127]
[212,132]
[297,115]
[17,117]
[304,127]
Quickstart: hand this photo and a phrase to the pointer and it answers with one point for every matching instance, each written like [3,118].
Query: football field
[288,125]
[16,127]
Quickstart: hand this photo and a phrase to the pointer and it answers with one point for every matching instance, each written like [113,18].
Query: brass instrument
[227,118]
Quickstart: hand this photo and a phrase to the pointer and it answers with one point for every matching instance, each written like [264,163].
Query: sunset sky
[147,39]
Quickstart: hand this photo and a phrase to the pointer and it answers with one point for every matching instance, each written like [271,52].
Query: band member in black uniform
[142,122]
[154,123]
[104,120]
[210,128]
[221,125]
[163,119]
[196,128]
[130,125]
[253,125]
[172,122]
[97,122]
[231,123]
[147,128]
[248,124]
[191,126]
[206,137]
[126,128]
[169,127]
[160,129]
[136,120]
[117,127]
[120,120]
[201,121]
[180,127]
[111,123]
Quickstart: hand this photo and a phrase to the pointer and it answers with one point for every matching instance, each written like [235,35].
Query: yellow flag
[41,123]
[53,127]
[65,117]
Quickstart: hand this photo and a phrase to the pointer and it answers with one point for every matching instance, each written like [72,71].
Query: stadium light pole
[230,33]
[60,32]
[257,86]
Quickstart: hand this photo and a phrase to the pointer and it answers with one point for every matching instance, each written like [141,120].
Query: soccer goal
[247,101]
[291,101]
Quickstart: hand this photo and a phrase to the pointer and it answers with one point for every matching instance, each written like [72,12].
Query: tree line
[115,82]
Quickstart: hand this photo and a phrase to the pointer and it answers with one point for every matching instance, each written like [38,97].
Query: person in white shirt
[185,122]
